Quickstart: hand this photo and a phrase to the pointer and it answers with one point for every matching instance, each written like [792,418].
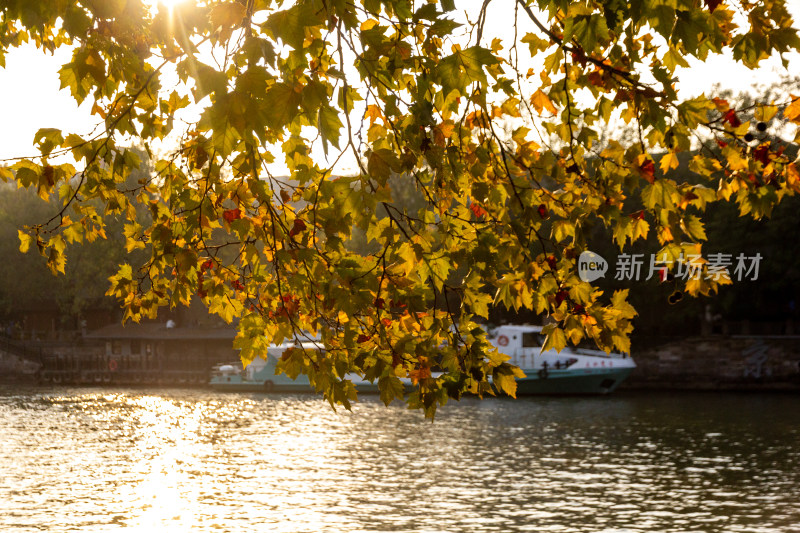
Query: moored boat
[259,376]
[570,371]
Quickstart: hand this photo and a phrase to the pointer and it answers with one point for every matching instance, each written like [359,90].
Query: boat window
[530,340]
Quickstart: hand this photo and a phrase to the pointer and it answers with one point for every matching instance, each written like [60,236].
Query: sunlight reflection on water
[179,460]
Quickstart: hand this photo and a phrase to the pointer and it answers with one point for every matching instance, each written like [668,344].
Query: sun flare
[169,5]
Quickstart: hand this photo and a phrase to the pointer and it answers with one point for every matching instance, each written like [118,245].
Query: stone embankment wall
[15,368]
[720,363]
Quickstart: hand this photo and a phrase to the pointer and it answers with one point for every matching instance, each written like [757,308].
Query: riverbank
[719,362]
[714,362]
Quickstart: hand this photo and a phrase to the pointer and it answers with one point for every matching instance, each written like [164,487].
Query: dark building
[150,353]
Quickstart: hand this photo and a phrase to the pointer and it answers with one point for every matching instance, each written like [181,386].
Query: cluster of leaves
[501,140]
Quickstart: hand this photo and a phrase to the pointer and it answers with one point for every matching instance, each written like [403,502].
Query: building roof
[159,331]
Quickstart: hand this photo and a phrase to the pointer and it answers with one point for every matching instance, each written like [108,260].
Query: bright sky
[30,98]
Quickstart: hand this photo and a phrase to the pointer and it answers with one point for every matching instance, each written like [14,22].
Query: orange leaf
[647,169]
[720,104]
[232,214]
[477,210]
[374,113]
[792,111]
[541,101]
[419,374]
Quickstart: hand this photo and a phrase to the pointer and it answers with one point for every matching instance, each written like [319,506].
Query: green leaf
[693,227]
[463,67]
[208,80]
[280,105]
[47,139]
[227,15]
[673,59]
[382,163]
[329,125]
[391,388]
[290,25]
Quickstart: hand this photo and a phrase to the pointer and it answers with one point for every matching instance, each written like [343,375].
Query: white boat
[260,375]
[571,371]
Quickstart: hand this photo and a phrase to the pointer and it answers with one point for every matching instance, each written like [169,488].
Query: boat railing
[600,353]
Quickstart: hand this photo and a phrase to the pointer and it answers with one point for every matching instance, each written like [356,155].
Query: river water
[80,459]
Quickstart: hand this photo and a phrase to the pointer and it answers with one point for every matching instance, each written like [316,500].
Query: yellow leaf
[640,229]
[792,111]
[665,235]
[541,101]
[24,241]
[668,161]
[368,24]
[409,324]
[555,340]
[6,174]
[735,159]
[563,229]
[792,175]
[764,113]
[504,378]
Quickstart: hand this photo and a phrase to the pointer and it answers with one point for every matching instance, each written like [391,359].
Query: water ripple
[177,460]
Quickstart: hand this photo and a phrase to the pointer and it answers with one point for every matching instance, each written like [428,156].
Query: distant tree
[411,88]
[24,278]
[26,281]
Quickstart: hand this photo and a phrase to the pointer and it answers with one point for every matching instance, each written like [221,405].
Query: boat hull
[277,384]
[253,386]
[589,381]
[572,382]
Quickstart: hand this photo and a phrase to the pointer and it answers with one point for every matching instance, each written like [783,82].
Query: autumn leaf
[505,378]
[792,111]
[418,374]
[731,118]
[668,162]
[477,210]
[647,169]
[232,214]
[297,227]
[541,101]
[227,15]
[543,212]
